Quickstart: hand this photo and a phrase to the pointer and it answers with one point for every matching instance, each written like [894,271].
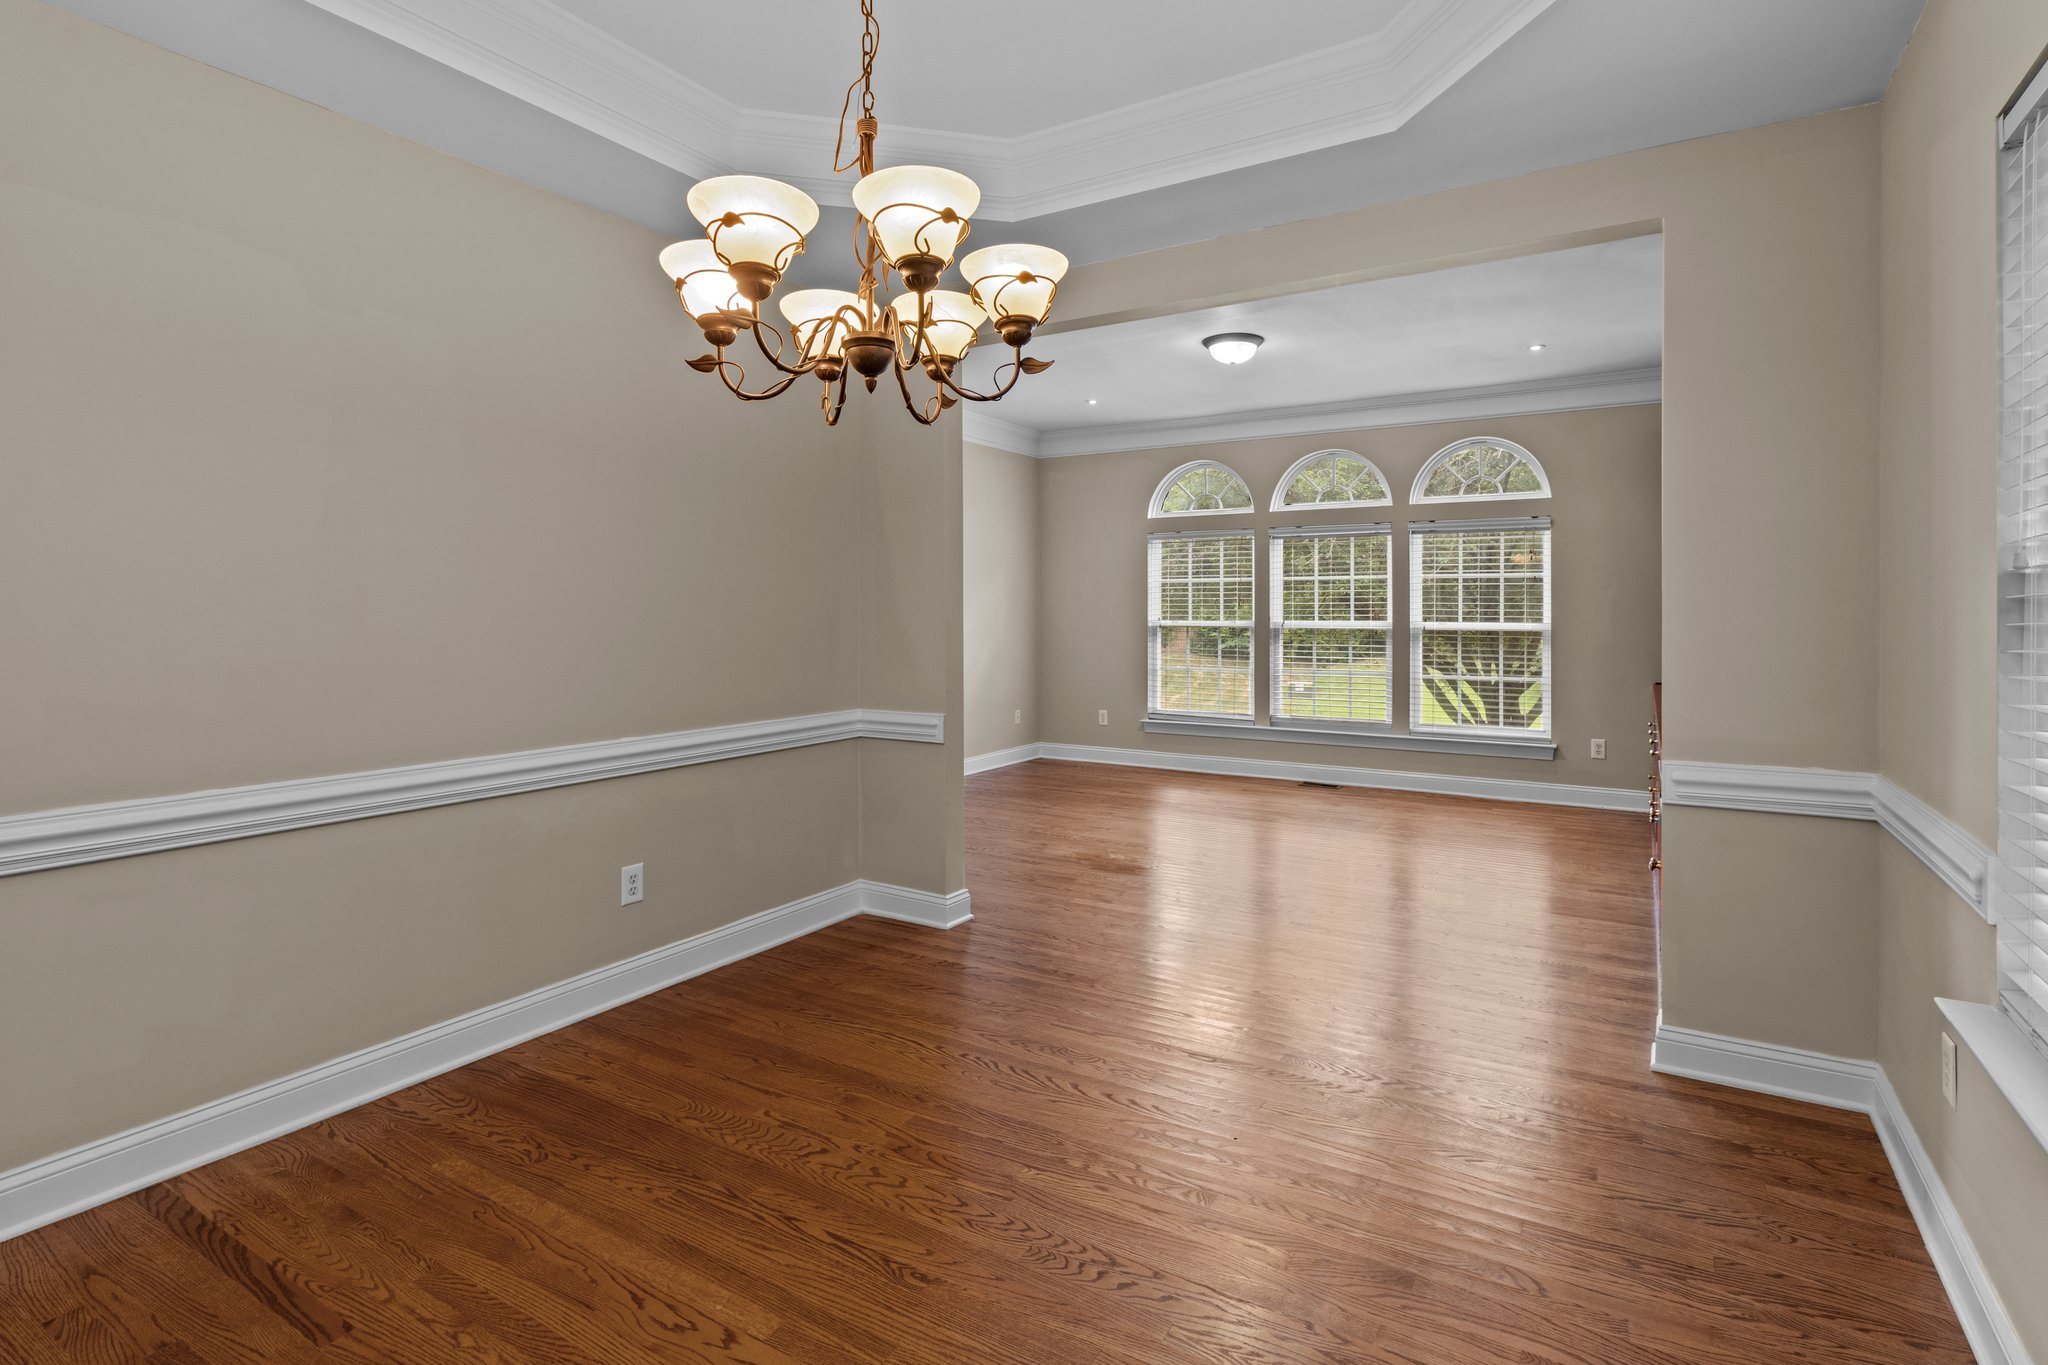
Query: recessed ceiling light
[1539,345]
[1233,348]
[1091,402]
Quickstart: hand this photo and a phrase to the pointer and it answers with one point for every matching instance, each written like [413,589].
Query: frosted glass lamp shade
[707,285]
[1015,281]
[816,323]
[951,320]
[917,211]
[753,220]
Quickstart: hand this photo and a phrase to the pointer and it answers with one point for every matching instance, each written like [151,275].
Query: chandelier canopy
[912,220]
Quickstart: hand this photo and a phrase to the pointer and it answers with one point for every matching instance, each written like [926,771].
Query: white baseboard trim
[1001,758]
[71,1182]
[1862,1086]
[1439,784]
[927,908]
[1838,1082]
[1951,853]
[39,840]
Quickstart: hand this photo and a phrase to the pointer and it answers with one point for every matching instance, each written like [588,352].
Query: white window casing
[2019,893]
[1479,621]
[1200,589]
[1330,626]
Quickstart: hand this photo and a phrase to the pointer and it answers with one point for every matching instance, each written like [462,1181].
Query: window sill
[2015,1066]
[1364,739]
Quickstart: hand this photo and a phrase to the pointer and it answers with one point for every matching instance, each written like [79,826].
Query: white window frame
[1280,503]
[1154,624]
[1156,508]
[1416,495]
[2019,876]
[1417,532]
[1277,623]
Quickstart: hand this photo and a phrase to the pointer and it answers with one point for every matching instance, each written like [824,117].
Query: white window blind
[1201,588]
[2020,896]
[1330,625]
[1479,626]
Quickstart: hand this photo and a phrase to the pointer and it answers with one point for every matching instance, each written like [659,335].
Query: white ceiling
[942,64]
[1333,357]
[1102,128]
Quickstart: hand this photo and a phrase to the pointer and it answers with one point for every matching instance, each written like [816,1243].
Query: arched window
[1332,478]
[1477,469]
[1203,486]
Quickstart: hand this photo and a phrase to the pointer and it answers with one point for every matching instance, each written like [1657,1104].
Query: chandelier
[911,220]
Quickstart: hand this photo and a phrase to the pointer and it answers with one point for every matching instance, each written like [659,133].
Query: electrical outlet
[630,884]
[1948,1070]
[1599,748]
[1017,716]
[1102,717]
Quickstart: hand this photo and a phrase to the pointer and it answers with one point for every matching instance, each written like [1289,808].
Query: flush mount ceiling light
[1539,345]
[911,221]
[1233,348]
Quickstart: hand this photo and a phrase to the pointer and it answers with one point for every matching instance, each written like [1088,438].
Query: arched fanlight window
[1479,469]
[1203,486]
[1332,478]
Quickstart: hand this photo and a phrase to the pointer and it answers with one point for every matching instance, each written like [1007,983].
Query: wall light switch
[1599,748]
[1948,1070]
[1102,717]
[1017,716]
[630,884]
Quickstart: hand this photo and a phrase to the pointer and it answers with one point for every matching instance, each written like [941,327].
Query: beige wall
[326,452]
[1769,429]
[1001,574]
[1603,468]
[1938,723]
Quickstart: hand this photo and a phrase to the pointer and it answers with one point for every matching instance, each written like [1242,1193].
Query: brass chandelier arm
[929,412]
[1018,368]
[718,363]
[774,357]
[833,400]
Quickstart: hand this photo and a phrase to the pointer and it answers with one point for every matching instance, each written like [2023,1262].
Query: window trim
[1152,626]
[1276,536]
[1155,511]
[1417,496]
[1417,531]
[1280,503]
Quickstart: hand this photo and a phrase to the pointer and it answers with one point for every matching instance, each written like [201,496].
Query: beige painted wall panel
[1770,354]
[1932,945]
[1604,468]
[999,538]
[328,452]
[1939,444]
[1938,690]
[913,816]
[137,989]
[1776,938]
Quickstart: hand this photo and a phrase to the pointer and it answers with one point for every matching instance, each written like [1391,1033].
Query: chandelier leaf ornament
[911,221]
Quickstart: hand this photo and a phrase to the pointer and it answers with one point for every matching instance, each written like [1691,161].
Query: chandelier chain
[870,46]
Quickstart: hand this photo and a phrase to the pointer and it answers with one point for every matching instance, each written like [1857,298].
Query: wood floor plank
[1222,1070]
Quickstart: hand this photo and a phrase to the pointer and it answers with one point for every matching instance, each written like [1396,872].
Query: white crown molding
[986,429]
[539,53]
[71,1182]
[1863,1087]
[40,840]
[1442,784]
[1612,389]
[1948,850]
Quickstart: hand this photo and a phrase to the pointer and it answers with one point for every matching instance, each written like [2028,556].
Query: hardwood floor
[1223,1070]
